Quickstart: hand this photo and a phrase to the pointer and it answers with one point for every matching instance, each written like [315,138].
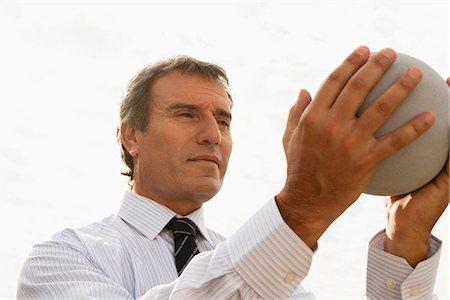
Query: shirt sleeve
[264,259]
[58,270]
[391,277]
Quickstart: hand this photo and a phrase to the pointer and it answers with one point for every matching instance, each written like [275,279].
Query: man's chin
[205,188]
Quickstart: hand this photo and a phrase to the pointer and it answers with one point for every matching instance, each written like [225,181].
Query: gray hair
[135,102]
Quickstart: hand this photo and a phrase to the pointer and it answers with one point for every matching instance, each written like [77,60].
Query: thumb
[303,100]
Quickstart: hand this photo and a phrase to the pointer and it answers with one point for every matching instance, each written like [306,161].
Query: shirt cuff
[268,255]
[391,277]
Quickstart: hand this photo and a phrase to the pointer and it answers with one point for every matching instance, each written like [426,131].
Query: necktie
[184,231]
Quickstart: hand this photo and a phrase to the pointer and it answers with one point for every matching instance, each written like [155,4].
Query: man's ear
[129,139]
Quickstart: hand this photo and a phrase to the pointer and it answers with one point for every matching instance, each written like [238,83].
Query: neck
[181,207]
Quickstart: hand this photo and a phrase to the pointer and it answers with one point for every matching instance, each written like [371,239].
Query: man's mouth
[206,157]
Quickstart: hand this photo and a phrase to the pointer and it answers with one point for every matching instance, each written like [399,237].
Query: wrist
[412,247]
[305,221]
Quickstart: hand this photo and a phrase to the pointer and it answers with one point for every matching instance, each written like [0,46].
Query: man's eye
[223,123]
[184,115]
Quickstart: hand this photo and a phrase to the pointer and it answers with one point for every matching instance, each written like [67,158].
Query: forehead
[177,86]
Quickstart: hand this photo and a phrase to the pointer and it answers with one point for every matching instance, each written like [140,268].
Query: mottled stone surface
[419,162]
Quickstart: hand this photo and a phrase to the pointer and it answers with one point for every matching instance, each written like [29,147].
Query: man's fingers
[391,143]
[336,81]
[303,100]
[360,84]
[377,113]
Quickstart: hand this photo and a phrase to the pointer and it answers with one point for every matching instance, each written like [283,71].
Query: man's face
[183,153]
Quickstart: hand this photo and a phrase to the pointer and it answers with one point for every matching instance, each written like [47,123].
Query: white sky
[64,66]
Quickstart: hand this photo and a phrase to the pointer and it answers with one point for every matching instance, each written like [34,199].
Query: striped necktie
[184,231]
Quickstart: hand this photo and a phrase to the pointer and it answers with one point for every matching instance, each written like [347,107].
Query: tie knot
[182,226]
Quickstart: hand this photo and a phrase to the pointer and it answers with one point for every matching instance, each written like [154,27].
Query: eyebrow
[219,111]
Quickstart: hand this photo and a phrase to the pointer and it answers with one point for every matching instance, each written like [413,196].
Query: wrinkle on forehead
[180,87]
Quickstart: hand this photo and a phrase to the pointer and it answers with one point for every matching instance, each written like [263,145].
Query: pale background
[64,66]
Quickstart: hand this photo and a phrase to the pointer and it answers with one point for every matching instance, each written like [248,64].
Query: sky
[66,64]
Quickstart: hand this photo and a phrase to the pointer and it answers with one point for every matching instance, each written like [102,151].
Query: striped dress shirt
[130,256]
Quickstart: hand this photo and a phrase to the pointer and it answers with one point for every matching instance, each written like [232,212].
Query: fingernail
[414,73]
[430,117]
[389,53]
[362,51]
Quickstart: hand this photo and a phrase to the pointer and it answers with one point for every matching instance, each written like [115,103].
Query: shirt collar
[150,217]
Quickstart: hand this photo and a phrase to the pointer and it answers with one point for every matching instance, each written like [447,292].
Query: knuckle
[336,76]
[308,120]
[353,60]
[397,142]
[358,83]
[382,108]
[419,128]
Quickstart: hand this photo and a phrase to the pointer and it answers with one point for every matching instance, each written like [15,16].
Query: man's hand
[332,154]
[412,217]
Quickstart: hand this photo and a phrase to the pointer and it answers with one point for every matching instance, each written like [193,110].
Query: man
[176,141]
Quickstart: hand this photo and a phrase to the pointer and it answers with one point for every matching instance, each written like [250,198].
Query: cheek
[156,152]
[226,150]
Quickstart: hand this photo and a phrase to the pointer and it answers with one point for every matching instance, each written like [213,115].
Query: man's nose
[209,132]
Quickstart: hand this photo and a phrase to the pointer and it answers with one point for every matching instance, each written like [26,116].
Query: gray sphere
[419,162]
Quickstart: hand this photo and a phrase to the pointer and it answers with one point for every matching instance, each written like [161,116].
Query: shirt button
[391,283]
[414,291]
[290,278]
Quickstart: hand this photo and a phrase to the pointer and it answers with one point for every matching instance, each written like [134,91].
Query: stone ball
[419,162]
